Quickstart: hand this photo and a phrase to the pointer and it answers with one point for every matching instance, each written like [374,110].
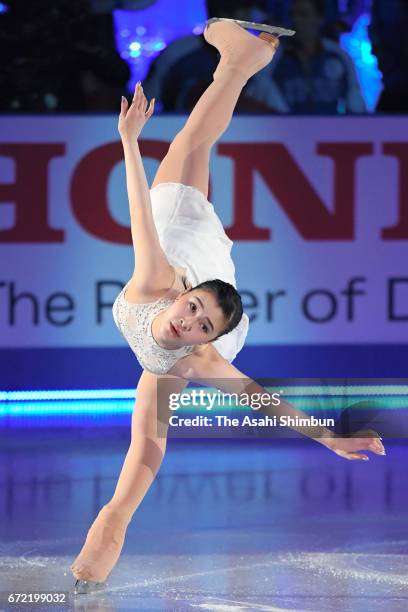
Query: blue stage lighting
[141,35]
[358,45]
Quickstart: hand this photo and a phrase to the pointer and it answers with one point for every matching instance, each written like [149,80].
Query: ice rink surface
[238,525]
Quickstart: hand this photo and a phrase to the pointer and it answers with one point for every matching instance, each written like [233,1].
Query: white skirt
[193,237]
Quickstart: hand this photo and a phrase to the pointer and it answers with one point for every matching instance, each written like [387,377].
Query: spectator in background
[388,33]
[57,56]
[339,16]
[310,74]
[182,72]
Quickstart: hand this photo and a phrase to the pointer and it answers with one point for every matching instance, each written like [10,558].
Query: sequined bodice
[134,321]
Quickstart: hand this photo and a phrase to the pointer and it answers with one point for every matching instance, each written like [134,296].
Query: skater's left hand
[132,118]
[348,447]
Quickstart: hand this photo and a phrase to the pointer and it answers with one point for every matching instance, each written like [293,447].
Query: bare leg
[106,535]
[187,160]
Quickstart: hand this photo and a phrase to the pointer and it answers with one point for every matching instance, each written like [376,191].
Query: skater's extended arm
[213,370]
[152,269]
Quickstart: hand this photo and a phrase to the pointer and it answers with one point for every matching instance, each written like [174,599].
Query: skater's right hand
[360,440]
[132,118]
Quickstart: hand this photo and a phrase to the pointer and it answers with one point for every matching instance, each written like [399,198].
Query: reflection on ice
[235,527]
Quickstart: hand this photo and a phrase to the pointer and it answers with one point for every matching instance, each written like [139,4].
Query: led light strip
[123,394]
[106,408]
[67,394]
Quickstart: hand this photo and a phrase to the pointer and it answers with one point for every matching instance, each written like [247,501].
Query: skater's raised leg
[242,55]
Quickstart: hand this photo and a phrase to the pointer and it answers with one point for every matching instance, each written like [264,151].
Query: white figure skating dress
[193,238]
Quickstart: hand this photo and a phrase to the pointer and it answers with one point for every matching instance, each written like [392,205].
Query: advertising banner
[317,209]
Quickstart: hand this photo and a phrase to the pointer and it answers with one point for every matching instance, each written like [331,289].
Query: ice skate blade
[83,587]
[252,25]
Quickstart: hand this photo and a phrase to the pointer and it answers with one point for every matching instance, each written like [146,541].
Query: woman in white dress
[180,312]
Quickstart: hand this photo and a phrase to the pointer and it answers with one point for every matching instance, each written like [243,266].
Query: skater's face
[193,318]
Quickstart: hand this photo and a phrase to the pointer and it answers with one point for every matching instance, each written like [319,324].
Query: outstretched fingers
[143,101]
[124,107]
[140,101]
[136,95]
[371,442]
[133,117]
[355,446]
[150,110]
[352,456]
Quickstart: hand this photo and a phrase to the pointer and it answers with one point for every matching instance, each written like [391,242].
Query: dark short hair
[228,299]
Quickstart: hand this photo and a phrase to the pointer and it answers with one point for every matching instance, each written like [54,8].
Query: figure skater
[180,312]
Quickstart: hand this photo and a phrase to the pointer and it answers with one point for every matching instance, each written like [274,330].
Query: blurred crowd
[61,56]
